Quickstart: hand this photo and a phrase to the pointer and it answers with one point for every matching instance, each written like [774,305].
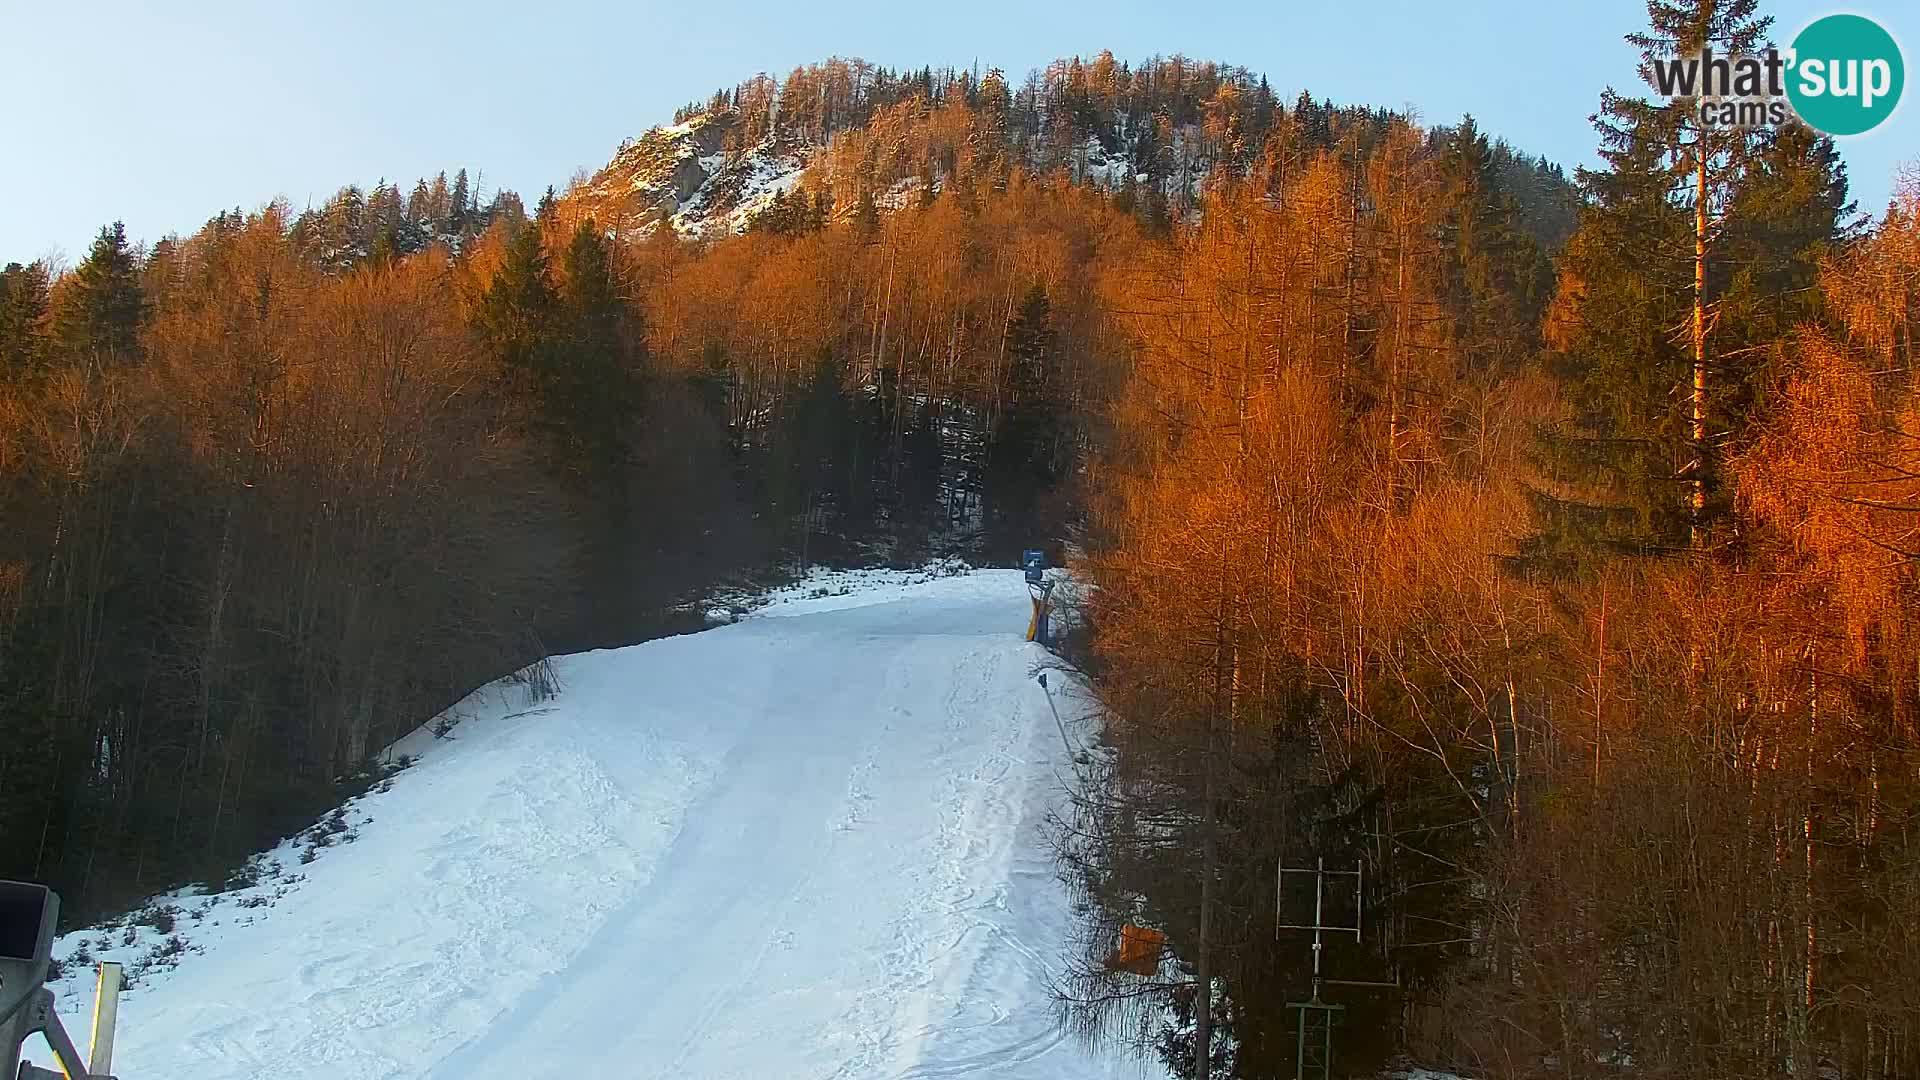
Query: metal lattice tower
[1313,1051]
[1315,1018]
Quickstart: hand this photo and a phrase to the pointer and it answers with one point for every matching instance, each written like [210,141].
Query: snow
[779,176]
[900,194]
[736,189]
[806,844]
[825,589]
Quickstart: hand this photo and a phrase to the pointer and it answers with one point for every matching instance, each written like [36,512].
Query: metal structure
[1316,1017]
[1072,751]
[1034,564]
[28,913]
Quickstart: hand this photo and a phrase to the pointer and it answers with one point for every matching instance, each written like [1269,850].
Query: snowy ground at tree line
[806,844]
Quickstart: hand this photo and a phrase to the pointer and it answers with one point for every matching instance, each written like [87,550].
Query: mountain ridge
[835,135]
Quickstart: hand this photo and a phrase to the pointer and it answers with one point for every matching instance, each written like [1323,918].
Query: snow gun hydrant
[27,916]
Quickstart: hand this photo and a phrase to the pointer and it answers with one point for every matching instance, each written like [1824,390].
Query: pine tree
[98,317]
[23,319]
[165,272]
[518,311]
[458,210]
[420,203]
[994,95]
[590,393]
[784,216]
[440,205]
[1497,278]
[1789,212]
[1264,110]
[1030,344]
[1021,457]
[594,391]
[1662,384]
[341,233]
[506,207]
[569,343]
[384,208]
[1315,125]
[812,454]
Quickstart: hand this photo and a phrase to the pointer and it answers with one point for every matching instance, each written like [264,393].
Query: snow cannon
[28,912]
[1034,563]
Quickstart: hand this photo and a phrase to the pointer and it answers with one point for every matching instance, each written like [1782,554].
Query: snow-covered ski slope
[808,844]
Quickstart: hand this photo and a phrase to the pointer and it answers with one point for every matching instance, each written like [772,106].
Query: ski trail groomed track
[803,845]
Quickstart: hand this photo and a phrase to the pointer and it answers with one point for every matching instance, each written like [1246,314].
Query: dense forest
[1566,600]
[1538,546]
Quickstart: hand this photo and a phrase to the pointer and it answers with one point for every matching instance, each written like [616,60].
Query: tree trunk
[1698,503]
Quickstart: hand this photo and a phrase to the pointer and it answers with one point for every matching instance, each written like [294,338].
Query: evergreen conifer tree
[1021,455]
[518,311]
[1649,326]
[23,319]
[98,318]
[594,391]
[458,200]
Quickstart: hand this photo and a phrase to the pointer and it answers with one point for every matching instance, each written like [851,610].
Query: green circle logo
[1846,74]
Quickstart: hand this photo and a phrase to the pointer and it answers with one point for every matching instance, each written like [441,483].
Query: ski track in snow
[796,846]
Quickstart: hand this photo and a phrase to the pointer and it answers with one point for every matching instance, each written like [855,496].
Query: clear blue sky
[162,113]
